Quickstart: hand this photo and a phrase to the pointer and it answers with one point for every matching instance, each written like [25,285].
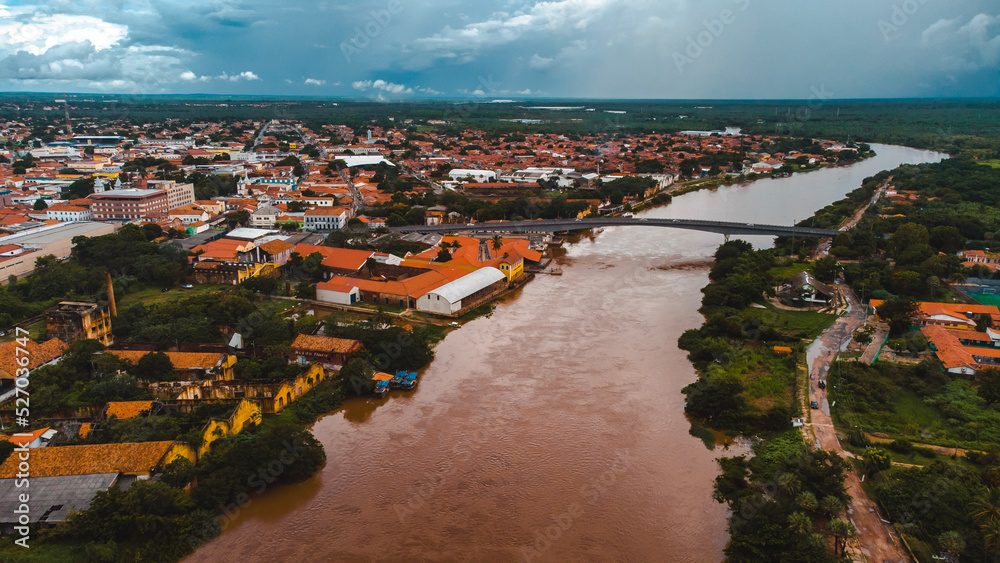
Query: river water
[551,431]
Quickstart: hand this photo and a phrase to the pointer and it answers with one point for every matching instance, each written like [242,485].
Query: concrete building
[264,216]
[68,213]
[462,293]
[130,204]
[178,195]
[326,218]
[18,252]
[72,320]
[475,175]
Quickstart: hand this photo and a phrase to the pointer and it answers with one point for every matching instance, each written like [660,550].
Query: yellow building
[272,398]
[247,414]
[512,266]
[72,320]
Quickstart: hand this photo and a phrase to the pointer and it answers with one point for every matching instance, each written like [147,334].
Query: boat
[381,388]
[404,380]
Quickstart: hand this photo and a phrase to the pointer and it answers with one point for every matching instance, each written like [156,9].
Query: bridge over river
[551,225]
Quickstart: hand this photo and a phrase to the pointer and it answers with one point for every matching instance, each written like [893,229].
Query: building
[246,414]
[464,293]
[264,216]
[189,366]
[323,349]
[130,204]
[804,288]
[963,351]
[341,294]
[68,213]
[189,214]
[478,176]
[66,479]
[22,249]
[326,218]
[271,397]
[73,320]
[961,316]
[38,354]
[178,195]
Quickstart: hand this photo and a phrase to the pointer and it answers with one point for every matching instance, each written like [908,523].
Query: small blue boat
[404,380]
[381,388]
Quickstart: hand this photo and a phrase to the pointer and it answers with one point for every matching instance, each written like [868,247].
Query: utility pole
[69,125]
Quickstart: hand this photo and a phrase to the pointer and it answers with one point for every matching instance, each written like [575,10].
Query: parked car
[822,384]
[814,405]
[186,286]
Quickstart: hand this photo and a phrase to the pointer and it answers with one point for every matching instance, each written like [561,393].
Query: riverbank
[520,414]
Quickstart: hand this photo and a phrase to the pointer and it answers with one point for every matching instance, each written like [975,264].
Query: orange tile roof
[24,440]
[325,344]
[127,409]
[84,429]
[37,355]
[180,360]
[276,246]
[340,258]
[130,458]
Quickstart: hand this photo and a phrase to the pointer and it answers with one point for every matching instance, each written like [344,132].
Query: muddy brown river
[553,430]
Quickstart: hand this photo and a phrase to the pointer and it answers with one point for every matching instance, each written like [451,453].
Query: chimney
[111,296]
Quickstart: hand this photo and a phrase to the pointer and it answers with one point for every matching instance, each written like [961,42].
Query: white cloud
[969,47]
[538,62]
[314,82]
[245,75]
[382,85]
[503,28]
[39,33]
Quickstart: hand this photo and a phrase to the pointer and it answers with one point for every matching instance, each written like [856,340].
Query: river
[553,430]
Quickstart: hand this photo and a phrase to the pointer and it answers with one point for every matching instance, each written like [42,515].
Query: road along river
[553,430]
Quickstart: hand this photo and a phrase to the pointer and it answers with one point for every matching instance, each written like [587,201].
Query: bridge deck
[551,225]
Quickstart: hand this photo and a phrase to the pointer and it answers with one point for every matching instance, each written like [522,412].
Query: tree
[240,217]
[807,501]
[800,523]
[831,506]
[40,205]
[877,460]
[899,313]
[826,269]
[989,384]
[443,255]
[155,366]
[496,243]
[907,236]
[841,532]
[952,543]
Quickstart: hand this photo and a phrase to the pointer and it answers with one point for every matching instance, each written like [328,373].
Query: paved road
[876,540]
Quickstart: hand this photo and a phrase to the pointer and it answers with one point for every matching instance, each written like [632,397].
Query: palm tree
[496,243]
[800,523]
[841,532]
[986,514]
[991,536]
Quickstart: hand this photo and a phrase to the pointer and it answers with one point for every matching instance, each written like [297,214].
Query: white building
[326,218]
[67,213]
[466,290]
[338,293]
[475,175]
[264,216]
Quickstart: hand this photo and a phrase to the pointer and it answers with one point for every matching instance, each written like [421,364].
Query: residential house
[323,349]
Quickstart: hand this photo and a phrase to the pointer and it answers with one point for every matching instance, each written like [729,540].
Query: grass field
[800,324]
[990,163]
[986,299]
[152,295]
[783,272]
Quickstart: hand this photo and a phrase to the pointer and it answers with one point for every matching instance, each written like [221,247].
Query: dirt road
[876,541]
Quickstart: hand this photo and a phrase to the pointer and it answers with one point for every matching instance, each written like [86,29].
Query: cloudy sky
[398,49]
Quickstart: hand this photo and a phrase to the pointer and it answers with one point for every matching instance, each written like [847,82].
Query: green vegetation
[782,500]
